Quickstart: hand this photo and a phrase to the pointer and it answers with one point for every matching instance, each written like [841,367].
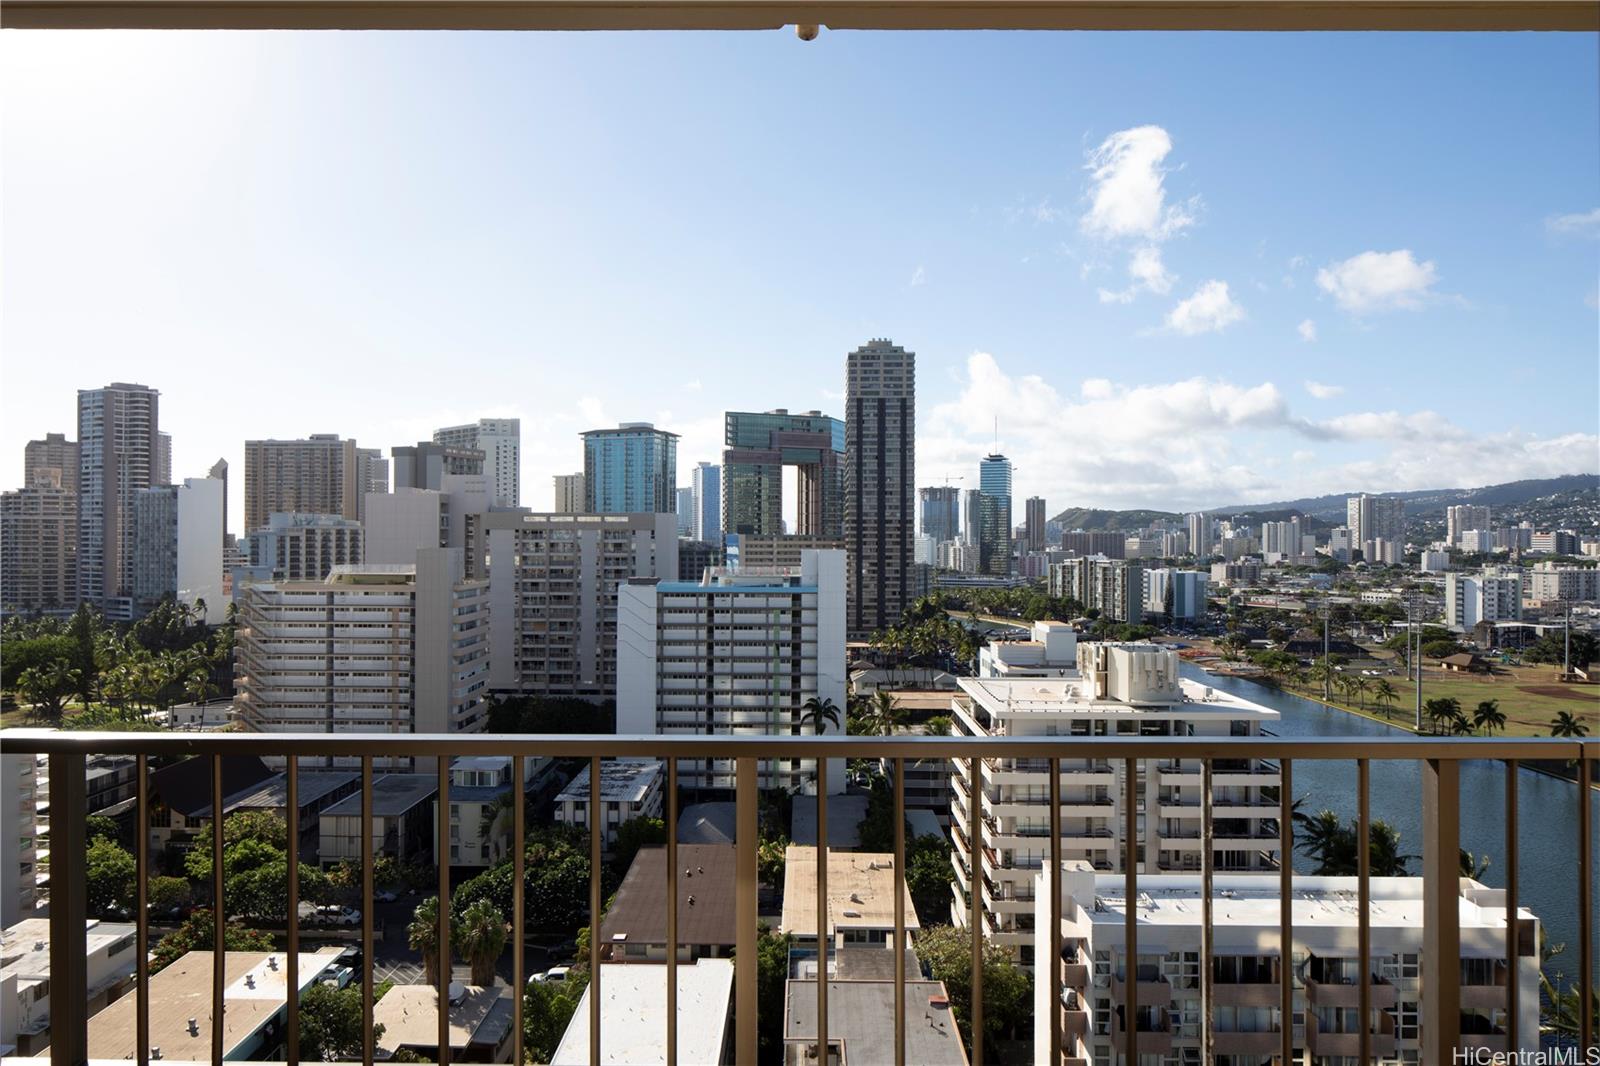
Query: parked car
[386,895]
[554,975]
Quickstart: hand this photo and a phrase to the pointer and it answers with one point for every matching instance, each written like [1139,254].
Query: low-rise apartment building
[629,789]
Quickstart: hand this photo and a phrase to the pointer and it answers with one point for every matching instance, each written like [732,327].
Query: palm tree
[1442,711]
[1384,849]
[886,714]
[1488,717]
[1566,724]
[1386,695]
[1361,686]
[817,712]
[1323,840]
[480,936]
[47,687]
[423,937]
[1474,866]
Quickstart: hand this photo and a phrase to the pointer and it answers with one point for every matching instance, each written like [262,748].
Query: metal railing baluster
[519,860]
[745,972]
[975,907]
[1207,914]
[1130,880]
[596,824]
[69,986]
[672,912]
[292,911]
[369,1048]
[446,964]
[141,943]
[822,911]
[1513,927]
[219,921]
[1286,909]
[899,912]
[1053,884]
[1585,902]
[1441,909]
[1364,902]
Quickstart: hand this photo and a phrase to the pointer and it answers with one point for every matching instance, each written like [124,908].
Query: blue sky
[1179,270]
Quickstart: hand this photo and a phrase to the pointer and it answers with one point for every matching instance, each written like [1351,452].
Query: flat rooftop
[845,814]
[1068,695]
[861,1019]
[392,796]
[409,1015]
[860,891]
[1252,900]
[633,1016]
[256,991]
[621,781]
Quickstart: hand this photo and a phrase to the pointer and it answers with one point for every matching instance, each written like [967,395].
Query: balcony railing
[1440,760]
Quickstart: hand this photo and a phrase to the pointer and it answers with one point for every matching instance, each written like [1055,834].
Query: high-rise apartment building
[879,483]
[1111,544]
[1247,968]
[994,516]
[39,531]
[500,441]
[393,649]
[940,508]
[632,469]
[757,448]
[425,464]
[163,460]
[19,850]
[177,546]
[553,580]
[1493,595]
[305,547]
[1555,542]
[401,522]
[1572,584]
[319,475]
[707,503]
[685,512]
[1281,541]
[569,495]
[1034,521]
[971,518]
[1199,526]
[1462,517]
[52,463]
[1114,587]
[1176,594]
[738,652]
[1121,689]
[118,445]
[1377,526]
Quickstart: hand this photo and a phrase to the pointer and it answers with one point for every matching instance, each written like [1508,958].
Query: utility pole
[1416,603]
[1566,653]
[1327,664]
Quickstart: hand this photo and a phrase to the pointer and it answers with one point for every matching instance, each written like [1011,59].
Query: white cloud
[1323,392]
[1127,188]
[1211,308]
[1202,443]
[693,386]
[1585,223]
[919,276]
[1148,272]
[1378,281]
[1307,330]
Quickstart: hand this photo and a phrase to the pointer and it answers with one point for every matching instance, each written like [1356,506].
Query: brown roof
[1460,659]
[705,873]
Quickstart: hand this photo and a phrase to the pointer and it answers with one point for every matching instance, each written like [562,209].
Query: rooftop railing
[1440,760]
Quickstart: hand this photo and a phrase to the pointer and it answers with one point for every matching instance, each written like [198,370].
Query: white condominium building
[739,652]
[553,582]
[1547,581]
[1123,690]
[396,649]
[1462,517]
[305,547]
[1493,595]
[1051,650]
[500,441]
[1247,969]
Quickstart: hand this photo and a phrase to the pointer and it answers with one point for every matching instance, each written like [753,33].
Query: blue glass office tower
[994,515]
[632,469]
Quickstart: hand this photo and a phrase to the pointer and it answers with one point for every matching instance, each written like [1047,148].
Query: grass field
[1529,697]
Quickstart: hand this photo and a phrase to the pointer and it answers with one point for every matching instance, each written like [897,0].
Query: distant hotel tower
[879,483]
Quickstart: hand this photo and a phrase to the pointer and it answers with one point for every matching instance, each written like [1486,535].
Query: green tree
[772,974]
[422,936]
[1566,724]
[48,686]
[165,893]
[937,726]
[331,1024]
[632,835]
[22,654]
[946,952]
[546,1011]
[108,875]
[480,937]
[1442,712]
[195,934]
[556,892]
[1488,717]
[928,875]
[1386,695]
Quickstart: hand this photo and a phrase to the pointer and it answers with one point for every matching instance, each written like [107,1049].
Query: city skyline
[1159,312]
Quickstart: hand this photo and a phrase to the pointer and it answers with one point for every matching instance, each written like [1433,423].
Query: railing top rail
[429,745]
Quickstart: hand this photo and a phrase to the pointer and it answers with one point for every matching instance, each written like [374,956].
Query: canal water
[1547,831]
